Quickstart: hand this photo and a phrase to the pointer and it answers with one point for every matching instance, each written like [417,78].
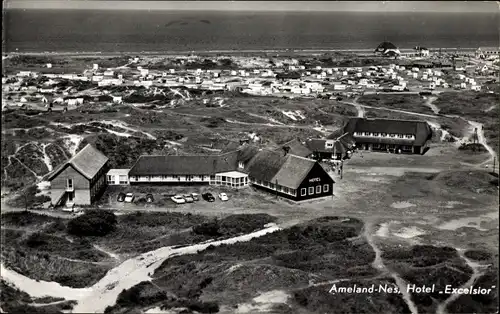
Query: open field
[44,248]
[481,107]
[409,102]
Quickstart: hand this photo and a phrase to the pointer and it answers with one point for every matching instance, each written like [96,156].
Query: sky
[335,6]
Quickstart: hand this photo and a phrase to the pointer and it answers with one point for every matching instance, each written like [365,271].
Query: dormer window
[329,144]
[400,136]
[241,165]
[384,134]
[409,136]
[392,135]
[375,134]
[367,134]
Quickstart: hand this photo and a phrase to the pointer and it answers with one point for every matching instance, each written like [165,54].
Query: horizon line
[260,6]
[245,10]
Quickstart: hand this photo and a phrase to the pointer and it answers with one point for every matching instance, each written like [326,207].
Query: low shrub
[478,255]
[210,229]
[93,223]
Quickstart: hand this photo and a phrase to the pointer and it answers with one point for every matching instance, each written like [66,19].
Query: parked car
[208,197]
[149,198]
[195,196]
[188,198]
[178,199]
[223,197]
[120,197]
[129,198]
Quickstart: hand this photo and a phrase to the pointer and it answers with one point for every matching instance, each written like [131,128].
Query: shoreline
[243,51]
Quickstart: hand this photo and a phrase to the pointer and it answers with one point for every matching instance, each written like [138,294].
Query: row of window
[392,135]
[121,179]
[186,178]
[276,187]
[384,146]
[311,189]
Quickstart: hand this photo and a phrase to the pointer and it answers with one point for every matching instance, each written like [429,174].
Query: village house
[398,136]
[335,147]
[80,180]
[287,175]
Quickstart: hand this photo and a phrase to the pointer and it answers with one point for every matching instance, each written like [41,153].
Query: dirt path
[378,264]
[482,139]
[359,107]
[133,271]
[429,102]
[109,253]
[394,110]
[40,288]
[478,271]
[250,123]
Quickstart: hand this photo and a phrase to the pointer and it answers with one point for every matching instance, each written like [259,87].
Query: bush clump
[93,223]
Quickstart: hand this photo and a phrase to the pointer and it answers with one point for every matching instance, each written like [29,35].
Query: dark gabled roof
[184,165]
[88,161]
[231,147]
[287,170]
[265,164]
[293,171]
[246,153]
[295,148]
[420,129]
[319,145]
[344,137]
[347,140]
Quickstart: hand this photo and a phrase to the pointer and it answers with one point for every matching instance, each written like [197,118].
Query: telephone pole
[276,187]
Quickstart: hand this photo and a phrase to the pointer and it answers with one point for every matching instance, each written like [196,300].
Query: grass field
[481,107]
[40,247]
[408,102]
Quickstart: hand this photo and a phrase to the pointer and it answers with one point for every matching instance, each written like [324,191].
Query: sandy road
[393,110]
[359,107]
[378,264]
[477,272]
[95,299]
[482,139]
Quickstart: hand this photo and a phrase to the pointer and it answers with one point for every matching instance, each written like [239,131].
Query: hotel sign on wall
[314,180]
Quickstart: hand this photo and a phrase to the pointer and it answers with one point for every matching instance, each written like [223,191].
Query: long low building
[398,136]
[281,173]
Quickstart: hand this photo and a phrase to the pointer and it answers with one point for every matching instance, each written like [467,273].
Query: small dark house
[79,180]
[290,176]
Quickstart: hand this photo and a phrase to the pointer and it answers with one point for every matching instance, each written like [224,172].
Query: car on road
[178,199]
[188,198]
[195,196]
[120,197]
[223,197]
[129,198]
[208,197]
